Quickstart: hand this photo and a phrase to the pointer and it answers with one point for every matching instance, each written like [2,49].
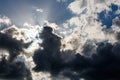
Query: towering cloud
[49,56]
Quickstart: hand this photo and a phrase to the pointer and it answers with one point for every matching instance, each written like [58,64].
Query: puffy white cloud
[39,10]
[52,25]
[75,8]
[4,22]
[84,25]
[95,6]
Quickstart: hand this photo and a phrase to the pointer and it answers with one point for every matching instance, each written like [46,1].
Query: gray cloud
[116,21]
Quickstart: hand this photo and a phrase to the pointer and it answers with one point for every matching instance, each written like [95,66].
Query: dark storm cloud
[12,45]
[9,68]
[13,70]
[51,59]
[118,35]
[48,58]
[102,65]
[105,64]
[89,48]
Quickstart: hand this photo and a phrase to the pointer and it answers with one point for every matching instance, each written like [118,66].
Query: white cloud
[39,10]
[5,22]
[84,26]
[26,33]
[75,7]
[61,0]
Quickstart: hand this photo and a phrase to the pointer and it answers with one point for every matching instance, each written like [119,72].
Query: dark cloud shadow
[102,65]
[10,68]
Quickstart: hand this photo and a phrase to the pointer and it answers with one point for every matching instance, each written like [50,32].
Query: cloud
[102,64]
[116,21]
[88,22]
[61,0]
[48,52]
[17,41]
[20,44]
[106,17]
[53,25]
[10,67]
[4,22]
[77,6]
[39,10]
[88,49]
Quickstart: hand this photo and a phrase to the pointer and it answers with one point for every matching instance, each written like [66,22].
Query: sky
[60,39]
[35,11]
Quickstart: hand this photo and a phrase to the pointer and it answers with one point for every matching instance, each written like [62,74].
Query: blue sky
[21,11]
[107,20]
[58,11]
